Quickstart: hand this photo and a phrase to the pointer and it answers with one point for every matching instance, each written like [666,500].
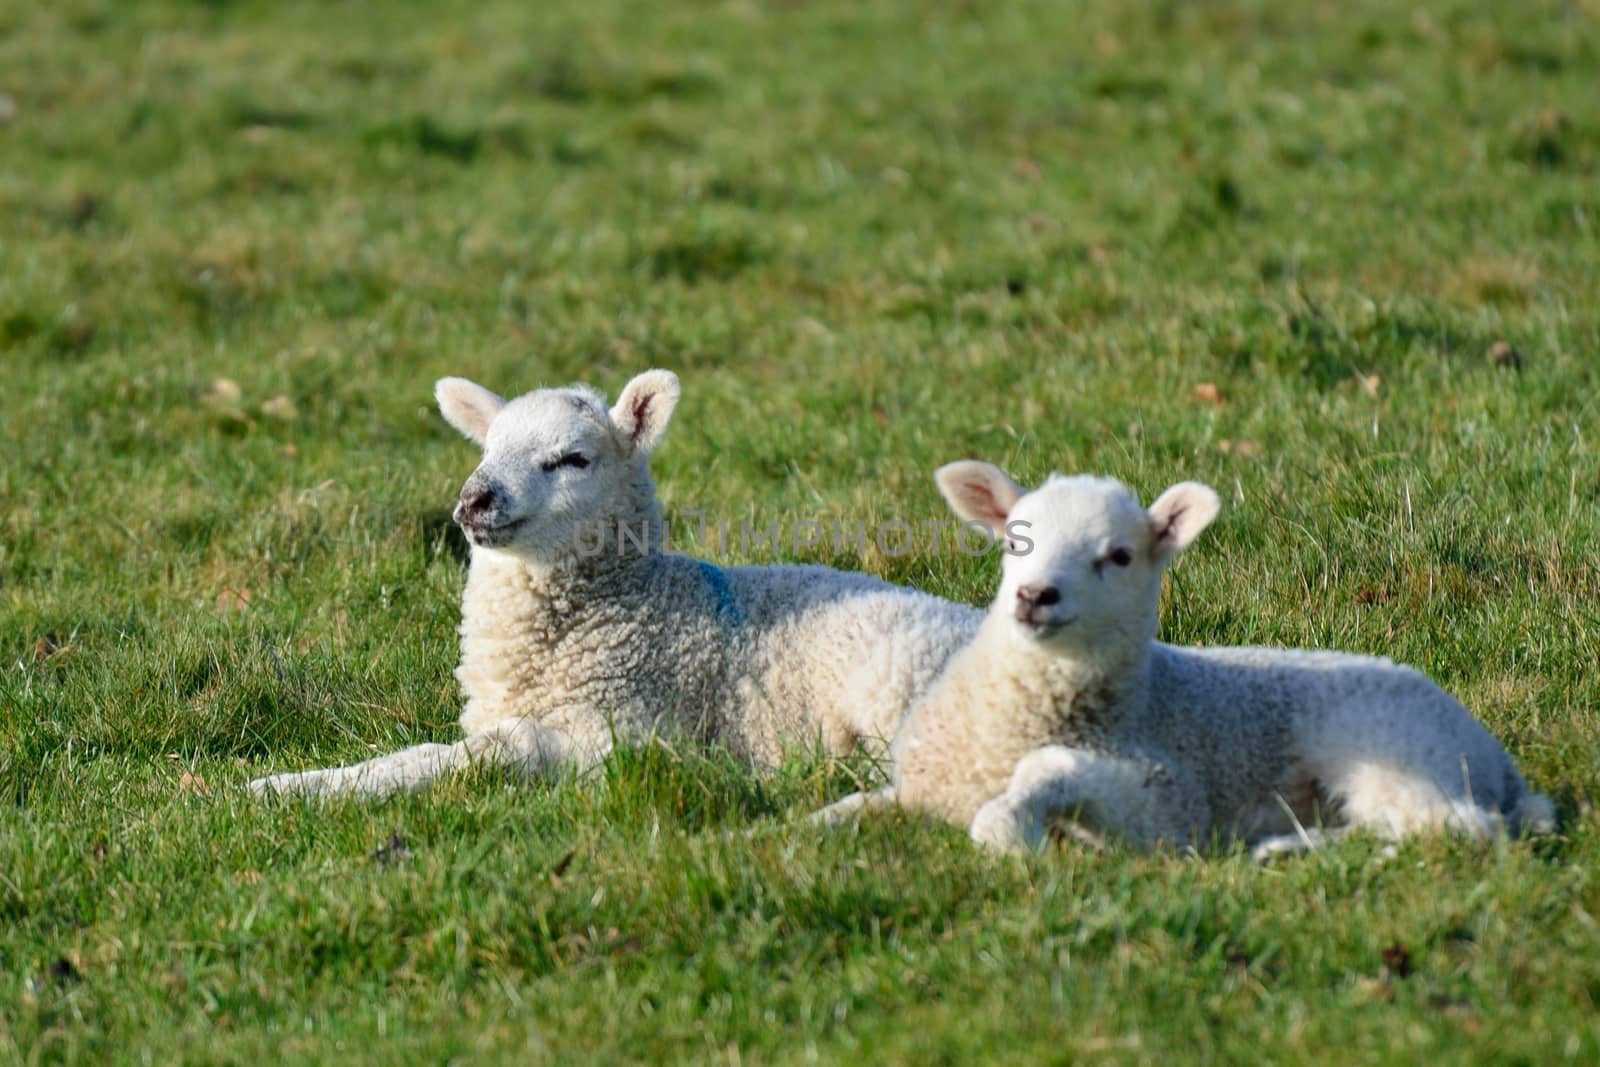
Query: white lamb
[1065,715]
[578,628]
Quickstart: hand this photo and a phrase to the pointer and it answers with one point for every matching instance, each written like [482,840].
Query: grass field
[1339,260]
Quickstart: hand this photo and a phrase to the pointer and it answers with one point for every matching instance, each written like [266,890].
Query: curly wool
[1065,714]
[629,647]
[568,643]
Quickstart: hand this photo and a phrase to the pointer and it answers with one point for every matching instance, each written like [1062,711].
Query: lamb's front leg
[519,745]
[853,806]
[409,769]
[1067,788]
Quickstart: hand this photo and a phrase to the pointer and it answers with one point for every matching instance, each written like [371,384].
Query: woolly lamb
[578,627]
[1065,715]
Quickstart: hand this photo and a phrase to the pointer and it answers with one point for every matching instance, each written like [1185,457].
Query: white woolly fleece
[1065,715]
[563,649]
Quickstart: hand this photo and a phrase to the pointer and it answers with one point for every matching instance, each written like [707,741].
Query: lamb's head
[559,470]
[1083,560]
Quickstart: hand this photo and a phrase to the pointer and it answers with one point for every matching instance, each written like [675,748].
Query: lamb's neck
[548,597]
[1088,694]
[1111,679]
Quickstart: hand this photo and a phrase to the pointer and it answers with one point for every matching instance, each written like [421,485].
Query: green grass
[871,238]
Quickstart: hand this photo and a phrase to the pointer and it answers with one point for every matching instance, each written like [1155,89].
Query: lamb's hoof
[851,807]
[1285,845]
[1001,827]
[289,784]
[1534,816]
[1074,831]
[265,787]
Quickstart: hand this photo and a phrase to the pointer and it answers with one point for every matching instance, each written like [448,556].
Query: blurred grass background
[1338,260]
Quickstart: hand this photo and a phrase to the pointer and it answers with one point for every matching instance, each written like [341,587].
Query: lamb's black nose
[1031,597]
[475,502]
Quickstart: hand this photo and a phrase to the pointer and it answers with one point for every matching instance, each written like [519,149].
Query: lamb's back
[758,659]
[836,655]
[1256,722]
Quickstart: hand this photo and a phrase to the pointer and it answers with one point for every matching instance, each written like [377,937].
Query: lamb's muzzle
[1033,606]
[477,501]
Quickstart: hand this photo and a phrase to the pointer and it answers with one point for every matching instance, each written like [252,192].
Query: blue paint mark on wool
[727,607]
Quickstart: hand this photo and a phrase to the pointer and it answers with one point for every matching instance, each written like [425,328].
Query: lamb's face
[550,464]
[1090,576]
[1083,562]
[559,470]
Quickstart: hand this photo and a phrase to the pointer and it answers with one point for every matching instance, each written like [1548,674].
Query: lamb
[578,627]
[1066,716]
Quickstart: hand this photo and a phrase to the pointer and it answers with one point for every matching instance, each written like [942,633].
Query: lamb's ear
[979,492]
[467,406]
[1178,516]
[643,410]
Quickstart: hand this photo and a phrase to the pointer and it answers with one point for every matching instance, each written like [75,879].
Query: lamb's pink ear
[979,492]
[467,406]
[643,410]
[1178,516]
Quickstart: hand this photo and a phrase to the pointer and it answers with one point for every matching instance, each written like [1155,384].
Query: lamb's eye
[1121,557]
[571,459]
